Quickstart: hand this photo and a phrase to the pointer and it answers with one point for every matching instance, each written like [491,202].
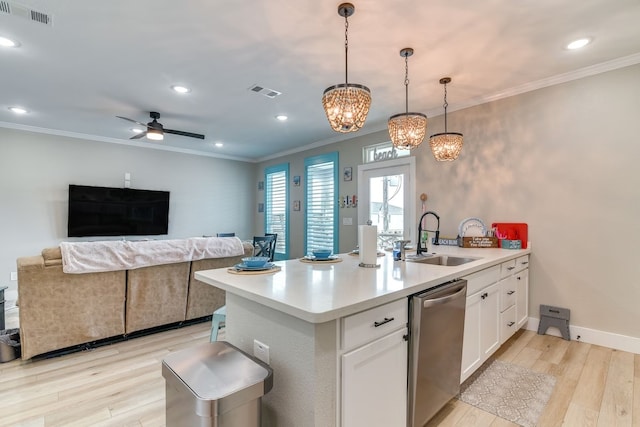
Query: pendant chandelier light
[446,146]
[346,104]
[407,130]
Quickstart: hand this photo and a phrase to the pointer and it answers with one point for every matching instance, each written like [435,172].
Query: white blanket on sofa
[93,257]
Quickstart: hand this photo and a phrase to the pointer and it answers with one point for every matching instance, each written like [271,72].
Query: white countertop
[321,292]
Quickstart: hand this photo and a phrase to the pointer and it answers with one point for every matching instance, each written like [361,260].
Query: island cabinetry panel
[374,367]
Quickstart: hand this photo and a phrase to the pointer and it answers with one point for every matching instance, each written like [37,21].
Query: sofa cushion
[52,256]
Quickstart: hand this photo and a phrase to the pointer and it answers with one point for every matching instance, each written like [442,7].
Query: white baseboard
[592,336]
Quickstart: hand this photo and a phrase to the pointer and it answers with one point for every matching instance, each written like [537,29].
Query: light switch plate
[347,221]
[14,275]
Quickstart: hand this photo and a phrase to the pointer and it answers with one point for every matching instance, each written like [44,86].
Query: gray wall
[563,159]
[207,195]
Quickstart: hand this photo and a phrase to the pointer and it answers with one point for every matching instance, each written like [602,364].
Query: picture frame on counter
[296,205]
[296,181]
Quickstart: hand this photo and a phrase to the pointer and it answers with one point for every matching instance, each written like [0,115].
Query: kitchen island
[299,312]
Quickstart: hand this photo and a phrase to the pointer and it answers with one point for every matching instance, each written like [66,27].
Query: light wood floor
[122,384]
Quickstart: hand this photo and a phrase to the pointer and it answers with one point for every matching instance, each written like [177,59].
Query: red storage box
[512,231]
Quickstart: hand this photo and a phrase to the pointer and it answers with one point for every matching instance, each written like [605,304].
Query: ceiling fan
[156,131]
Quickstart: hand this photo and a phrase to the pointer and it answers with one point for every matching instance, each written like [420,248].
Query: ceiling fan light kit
[446,146]
[347,104]
[407,130]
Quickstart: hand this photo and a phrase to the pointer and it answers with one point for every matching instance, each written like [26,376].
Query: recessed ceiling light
[18,110]
[281,117]
[577,44]
[219,144]
[181,89]
[5,42]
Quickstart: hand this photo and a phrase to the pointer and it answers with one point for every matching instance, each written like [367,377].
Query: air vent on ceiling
[269,93]
[26,13]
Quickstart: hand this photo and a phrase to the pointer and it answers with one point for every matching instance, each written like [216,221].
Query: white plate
[472,227]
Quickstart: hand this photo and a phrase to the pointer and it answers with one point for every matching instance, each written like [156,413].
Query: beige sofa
[59,310]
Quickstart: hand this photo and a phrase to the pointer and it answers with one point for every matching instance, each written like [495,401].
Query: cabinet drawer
[522,263]
[374,323]
[508,292]
[507,268]
[482,279]
[508,325]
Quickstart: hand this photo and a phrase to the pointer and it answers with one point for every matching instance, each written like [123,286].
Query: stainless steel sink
[446,260]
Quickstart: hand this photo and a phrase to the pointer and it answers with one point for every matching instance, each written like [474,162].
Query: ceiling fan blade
[179,132]
[125,118]
[140,135]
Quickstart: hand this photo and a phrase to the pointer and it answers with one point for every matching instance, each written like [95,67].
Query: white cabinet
[508,296]
[482,321]
[374,367]
[514,296]
[374,383]
[522,291]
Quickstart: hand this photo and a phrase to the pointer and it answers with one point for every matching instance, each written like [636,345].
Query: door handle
[511,292]
[483,296]
[386,320]
[445,299]
[510,324]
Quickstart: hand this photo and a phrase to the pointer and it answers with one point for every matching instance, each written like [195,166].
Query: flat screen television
[105,211]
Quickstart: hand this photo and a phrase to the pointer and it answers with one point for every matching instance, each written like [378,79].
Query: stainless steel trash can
[214,384]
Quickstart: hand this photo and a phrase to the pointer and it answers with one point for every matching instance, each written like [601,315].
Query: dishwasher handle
[458,291]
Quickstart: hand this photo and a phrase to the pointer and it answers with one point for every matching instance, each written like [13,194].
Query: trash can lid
[217,369]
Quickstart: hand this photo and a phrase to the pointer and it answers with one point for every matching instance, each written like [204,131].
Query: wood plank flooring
[122,384]
[595,386]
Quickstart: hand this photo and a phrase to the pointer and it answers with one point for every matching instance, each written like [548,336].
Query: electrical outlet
[14,275]
[261,351]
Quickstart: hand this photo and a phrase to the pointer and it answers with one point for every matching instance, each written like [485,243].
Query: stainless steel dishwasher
[435,349]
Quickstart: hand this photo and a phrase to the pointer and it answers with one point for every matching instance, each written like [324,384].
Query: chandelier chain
[445,105]
[346,49]
[406,83]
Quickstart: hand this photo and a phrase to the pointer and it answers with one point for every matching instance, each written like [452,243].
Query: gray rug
[509,391]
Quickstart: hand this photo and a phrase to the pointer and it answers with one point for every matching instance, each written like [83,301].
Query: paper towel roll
[368,244]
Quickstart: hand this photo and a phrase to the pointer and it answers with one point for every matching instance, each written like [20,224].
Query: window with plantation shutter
[321,207]
[276,215]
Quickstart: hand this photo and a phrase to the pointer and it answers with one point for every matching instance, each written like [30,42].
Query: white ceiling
[102,59]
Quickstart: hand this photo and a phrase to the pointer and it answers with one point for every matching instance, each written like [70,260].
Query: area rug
[509,391]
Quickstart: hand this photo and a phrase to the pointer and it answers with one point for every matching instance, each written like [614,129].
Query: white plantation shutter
[276,202]
[321,210]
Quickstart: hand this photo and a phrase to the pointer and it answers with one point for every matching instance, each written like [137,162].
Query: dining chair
[217,321]
[273,244]
[264,246]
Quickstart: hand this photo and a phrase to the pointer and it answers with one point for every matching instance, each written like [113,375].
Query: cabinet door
[481,329]
[374,383]
[471,357]
[490,321]
[522,301]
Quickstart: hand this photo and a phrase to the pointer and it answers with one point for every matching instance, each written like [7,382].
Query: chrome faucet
[419,248]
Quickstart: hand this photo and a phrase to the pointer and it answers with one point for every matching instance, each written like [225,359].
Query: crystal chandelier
[407,130]
[346,104]
[446,146]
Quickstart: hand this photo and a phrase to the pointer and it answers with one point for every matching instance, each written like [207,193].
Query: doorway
[386,197]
